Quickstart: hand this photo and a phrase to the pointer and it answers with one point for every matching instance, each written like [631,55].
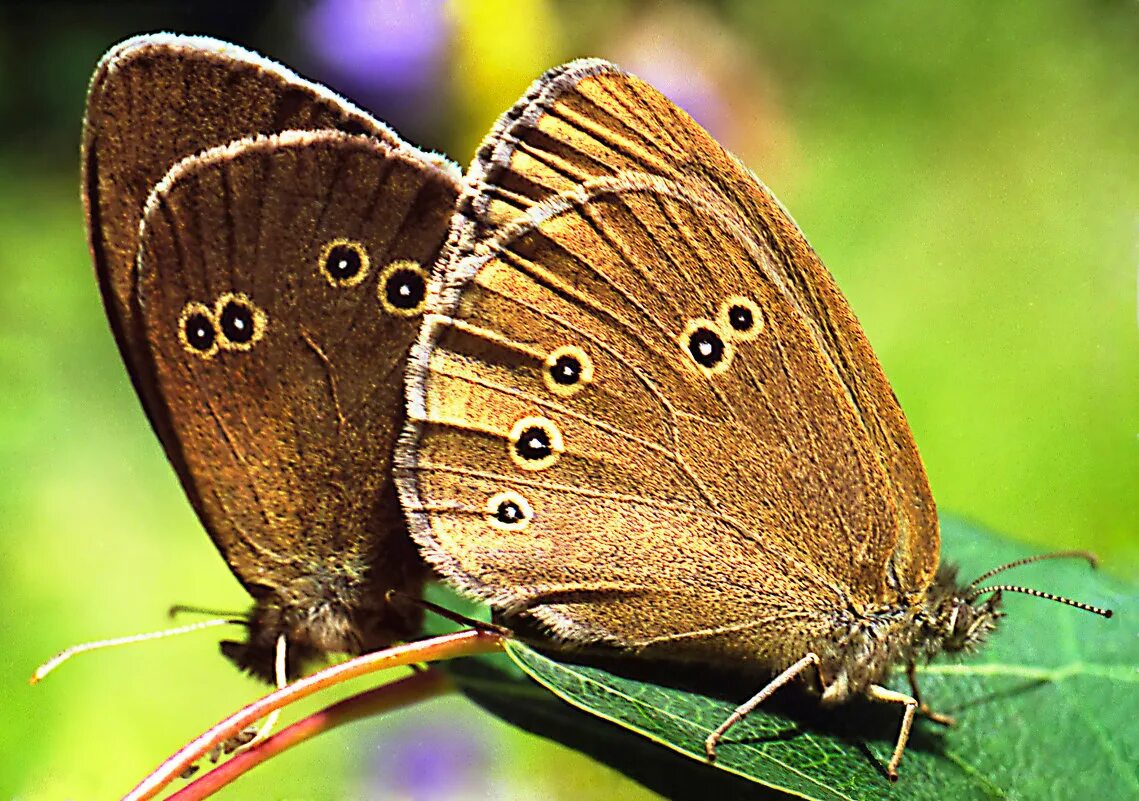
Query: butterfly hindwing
[590,119]
[673,465]
[281,281]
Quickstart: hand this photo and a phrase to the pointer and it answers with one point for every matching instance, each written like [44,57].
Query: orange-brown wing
[621,423]
[589,119]
[281,281]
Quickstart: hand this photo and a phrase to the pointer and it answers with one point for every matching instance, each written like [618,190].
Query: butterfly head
[959,617]
[959,623]
[325,614]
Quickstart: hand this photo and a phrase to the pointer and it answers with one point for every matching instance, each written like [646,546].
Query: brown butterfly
[263,249]
[642,416]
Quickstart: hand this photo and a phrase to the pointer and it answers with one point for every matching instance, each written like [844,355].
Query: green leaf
[1048,710]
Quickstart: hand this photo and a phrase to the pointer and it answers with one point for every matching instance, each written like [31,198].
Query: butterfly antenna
[1039,594]
[1088,555]
[186,609]
[57,660]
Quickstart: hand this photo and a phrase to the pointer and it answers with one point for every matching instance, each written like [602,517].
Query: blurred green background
[968,171]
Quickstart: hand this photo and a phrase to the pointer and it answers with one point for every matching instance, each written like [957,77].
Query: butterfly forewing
[747,477]
[590,119]
[280,285]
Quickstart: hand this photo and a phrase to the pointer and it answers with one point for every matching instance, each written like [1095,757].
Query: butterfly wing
[280,283]
[153,100]
[589,119]
[601,438]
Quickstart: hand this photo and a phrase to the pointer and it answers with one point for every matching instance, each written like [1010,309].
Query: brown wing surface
[589,119]
[602,437]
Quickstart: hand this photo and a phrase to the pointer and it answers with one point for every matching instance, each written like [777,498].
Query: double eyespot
[567,370]
[535,443]
[508,511]
[402,285]
[233,323]
[711,344]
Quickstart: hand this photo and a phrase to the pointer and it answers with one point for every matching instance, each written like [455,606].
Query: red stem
[398,694]
[447,646]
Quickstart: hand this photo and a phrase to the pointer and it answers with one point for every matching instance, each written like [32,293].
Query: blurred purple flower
[387,55]
[690,52]
[432,763]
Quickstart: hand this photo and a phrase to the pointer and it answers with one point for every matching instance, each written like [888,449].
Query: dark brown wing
[153,100]
[281,281]
[601,437]
[589,119]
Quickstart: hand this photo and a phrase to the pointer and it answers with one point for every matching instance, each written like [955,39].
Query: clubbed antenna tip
[1039,594]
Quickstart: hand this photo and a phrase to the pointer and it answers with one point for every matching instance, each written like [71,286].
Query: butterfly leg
[876,693]
[923,708]
[250,736]
[745,709]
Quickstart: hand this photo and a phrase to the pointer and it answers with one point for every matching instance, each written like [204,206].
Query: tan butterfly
[643,417]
